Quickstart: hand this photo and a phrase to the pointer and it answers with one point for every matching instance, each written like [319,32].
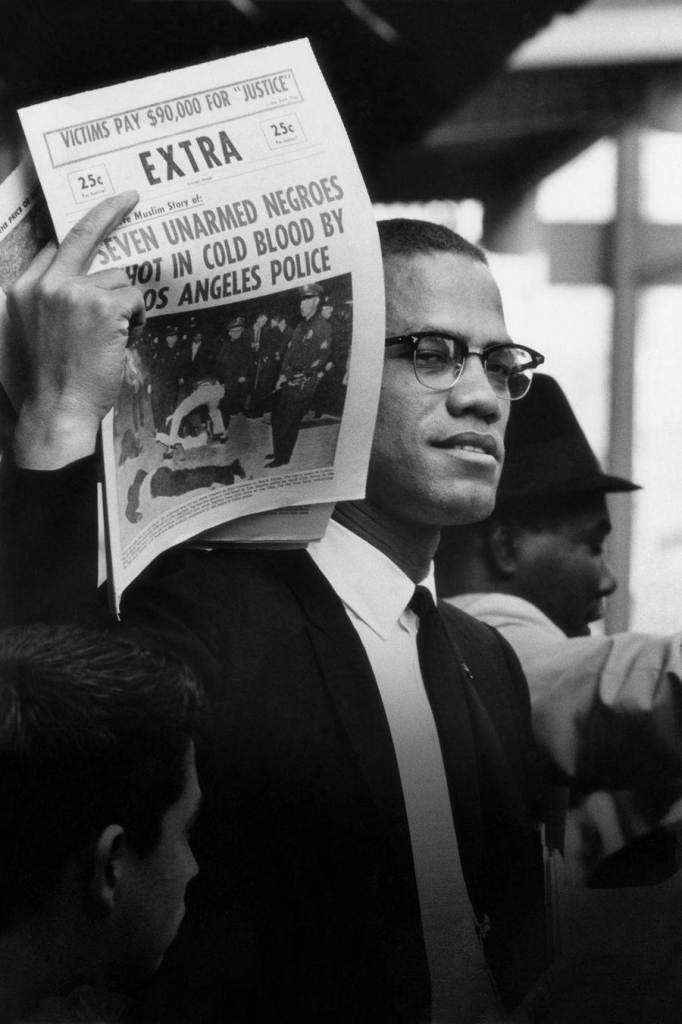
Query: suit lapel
[352,689]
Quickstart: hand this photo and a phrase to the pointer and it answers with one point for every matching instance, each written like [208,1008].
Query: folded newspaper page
[24,230]
[255,383]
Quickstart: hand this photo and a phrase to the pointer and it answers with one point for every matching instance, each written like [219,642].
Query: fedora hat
[546,451]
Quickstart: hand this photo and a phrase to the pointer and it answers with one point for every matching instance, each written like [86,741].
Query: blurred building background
[548,130]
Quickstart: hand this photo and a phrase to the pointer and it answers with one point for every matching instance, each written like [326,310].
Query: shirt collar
[366,580]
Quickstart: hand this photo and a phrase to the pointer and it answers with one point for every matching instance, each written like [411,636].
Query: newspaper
[255,383]
[25,227]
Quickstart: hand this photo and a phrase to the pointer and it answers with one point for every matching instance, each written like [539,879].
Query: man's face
[309,305]
[155,898]
[327,311]
[437,455]
[562,569]
[235,332]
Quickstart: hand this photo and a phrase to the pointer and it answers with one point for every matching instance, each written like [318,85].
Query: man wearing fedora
[302,368]
[537,571]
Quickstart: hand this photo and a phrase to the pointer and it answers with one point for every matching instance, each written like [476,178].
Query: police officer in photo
[302,368]
[235,369]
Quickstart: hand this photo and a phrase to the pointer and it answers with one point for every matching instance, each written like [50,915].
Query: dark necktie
[443,672]
[512,920]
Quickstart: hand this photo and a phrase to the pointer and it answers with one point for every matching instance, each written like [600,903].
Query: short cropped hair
[94,730]
[402,236]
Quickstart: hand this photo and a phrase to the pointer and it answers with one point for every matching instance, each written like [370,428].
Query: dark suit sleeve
[48,544]
[49,562]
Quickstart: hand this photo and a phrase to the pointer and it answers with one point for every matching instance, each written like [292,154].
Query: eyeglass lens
[439,361]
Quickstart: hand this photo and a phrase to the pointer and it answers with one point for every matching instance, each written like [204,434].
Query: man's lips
[471,441]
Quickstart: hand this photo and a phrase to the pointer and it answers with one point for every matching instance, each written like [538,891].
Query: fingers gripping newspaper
[254,384]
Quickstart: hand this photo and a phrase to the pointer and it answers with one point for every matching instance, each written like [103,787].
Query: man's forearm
[48,543]
[48,438]
[71,330]
[608,710]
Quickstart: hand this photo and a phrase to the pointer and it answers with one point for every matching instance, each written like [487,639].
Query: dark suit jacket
[305,908]
[235,368]
[269,357]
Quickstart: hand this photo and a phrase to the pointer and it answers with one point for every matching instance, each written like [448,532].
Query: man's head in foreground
[98,790]
[438,443]
[545,539]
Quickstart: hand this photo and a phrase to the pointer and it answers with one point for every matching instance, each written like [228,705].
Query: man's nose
[473,391]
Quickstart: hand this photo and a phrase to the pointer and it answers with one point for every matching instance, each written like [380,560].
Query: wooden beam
[626,233]
[583,253]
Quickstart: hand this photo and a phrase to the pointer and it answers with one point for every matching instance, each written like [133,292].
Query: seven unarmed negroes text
[227,254]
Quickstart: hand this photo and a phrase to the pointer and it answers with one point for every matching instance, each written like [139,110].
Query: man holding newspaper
[335,883]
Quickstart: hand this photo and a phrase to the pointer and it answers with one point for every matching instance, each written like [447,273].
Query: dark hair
[94,730]
[402,236]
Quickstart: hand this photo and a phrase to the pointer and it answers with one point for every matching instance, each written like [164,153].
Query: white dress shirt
[375,594]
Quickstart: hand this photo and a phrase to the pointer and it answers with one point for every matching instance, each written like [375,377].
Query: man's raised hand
[72,330]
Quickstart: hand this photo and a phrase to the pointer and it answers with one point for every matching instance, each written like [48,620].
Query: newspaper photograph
[254,384]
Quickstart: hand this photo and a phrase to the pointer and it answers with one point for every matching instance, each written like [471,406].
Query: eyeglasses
[439,359]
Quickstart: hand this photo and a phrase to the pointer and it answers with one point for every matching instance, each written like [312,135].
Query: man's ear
[502,547]
[108,867]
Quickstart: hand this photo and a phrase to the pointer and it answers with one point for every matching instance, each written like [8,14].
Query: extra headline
[227,243]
